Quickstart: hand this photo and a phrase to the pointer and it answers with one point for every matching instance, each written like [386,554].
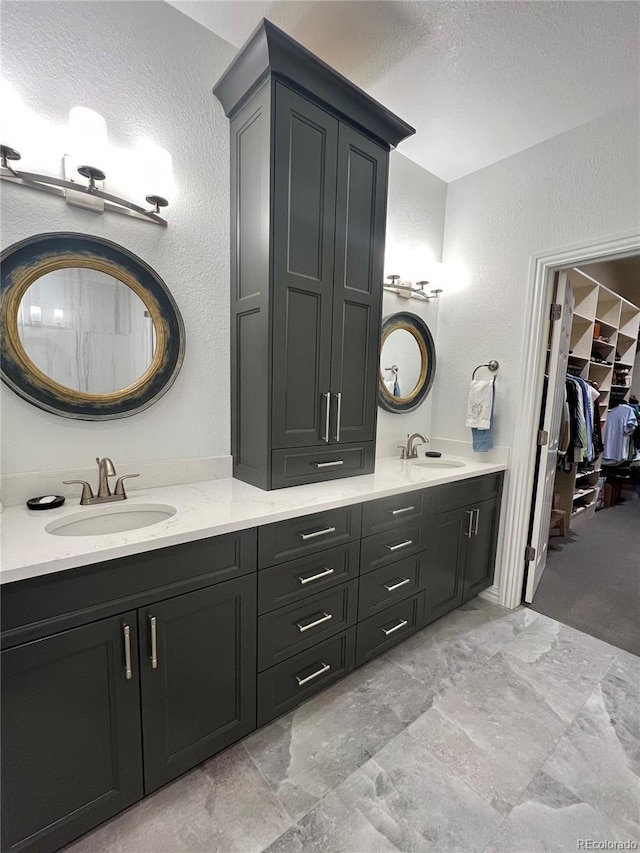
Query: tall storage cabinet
[309,169]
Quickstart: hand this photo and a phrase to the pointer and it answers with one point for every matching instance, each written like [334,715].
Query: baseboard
[492,594]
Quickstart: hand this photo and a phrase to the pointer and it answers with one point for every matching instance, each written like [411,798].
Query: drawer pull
[324,667]
[469,532]
[400,511]
[397,547]
[315,533]
[126,633]
[153,624]
[329,464]
[302,627]
[396,584]
[401,624]
[310,578]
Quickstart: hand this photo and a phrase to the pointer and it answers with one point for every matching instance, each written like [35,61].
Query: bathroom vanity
[121,674]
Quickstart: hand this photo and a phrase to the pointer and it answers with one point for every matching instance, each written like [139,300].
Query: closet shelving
[604,339]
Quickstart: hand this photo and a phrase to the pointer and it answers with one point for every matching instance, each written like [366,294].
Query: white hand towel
[480,404]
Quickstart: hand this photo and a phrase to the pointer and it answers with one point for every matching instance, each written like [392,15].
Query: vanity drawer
[292,629]
[391,626]
[383,587]
[464,492]
[389,513]
[296,537]
[299,579]
[284,686]
[315,464]
[388,547]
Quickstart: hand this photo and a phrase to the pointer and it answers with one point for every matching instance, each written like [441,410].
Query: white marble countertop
[204,509]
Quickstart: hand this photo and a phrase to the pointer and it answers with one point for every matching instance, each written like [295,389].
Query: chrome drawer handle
[153,623]
[404,544]
[305,627]
[327,416]
[329,464]
[338,415]
[126,631]
[400,511]
[397,627]
[314,533]
[396,584]
[475,529]
[324,667]
[310,578]
[469,532]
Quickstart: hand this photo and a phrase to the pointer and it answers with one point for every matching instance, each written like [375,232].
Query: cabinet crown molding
[271,52]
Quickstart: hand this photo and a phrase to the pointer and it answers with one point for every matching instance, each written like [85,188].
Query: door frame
[519,488]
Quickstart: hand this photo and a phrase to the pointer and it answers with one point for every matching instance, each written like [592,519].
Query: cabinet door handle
[338,415]
[469,532]
[404,544]
[475,527]
[400,511]
[302,627]
[329,464]
[327,416]
[324,667]
[401,624]
[126,632]
[315,533]
[153,623]
[310,578]
[396,584]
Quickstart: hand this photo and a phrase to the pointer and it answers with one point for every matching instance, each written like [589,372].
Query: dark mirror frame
[26,261]
[418,328]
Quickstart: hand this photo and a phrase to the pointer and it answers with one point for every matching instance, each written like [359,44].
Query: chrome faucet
[106,469]
[408,450]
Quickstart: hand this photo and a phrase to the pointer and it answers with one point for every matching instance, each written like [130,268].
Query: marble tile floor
[490,730]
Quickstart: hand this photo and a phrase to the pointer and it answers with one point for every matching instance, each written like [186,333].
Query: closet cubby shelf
[598,312]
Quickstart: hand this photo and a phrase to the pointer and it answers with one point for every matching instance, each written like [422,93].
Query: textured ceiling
[479,81]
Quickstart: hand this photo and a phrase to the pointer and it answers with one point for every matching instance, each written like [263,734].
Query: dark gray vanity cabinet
[463,543]
[71,742]
[309,169]
[197,665]
[98,714]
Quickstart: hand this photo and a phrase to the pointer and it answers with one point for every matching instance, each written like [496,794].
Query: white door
[543,497]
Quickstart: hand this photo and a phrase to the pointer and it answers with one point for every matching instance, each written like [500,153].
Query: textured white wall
[149,70]
[415,228]
[580,186]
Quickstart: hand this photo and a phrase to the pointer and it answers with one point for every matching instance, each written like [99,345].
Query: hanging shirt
[621,422]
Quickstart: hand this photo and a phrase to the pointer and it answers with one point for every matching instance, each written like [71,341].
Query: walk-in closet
[592,574]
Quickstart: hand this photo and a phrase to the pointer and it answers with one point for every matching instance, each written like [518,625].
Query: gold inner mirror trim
[69,261]
[424,363]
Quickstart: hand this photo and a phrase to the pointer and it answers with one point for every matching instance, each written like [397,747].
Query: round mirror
[407,362]
[88,330]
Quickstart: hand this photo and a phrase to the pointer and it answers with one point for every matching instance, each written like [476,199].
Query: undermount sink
[100,520]
[439,463]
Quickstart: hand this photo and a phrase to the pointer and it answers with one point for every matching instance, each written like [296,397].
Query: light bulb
[88,138]
[156,171]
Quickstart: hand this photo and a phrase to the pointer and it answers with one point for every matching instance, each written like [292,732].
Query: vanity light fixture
[406,290]
[89,158]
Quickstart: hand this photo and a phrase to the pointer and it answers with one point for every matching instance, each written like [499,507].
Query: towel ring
[492,365]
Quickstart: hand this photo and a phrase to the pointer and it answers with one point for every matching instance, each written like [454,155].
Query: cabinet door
[357,300]
[71,751]
[448,537]
[481,551]
[198,676]
[303,242]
